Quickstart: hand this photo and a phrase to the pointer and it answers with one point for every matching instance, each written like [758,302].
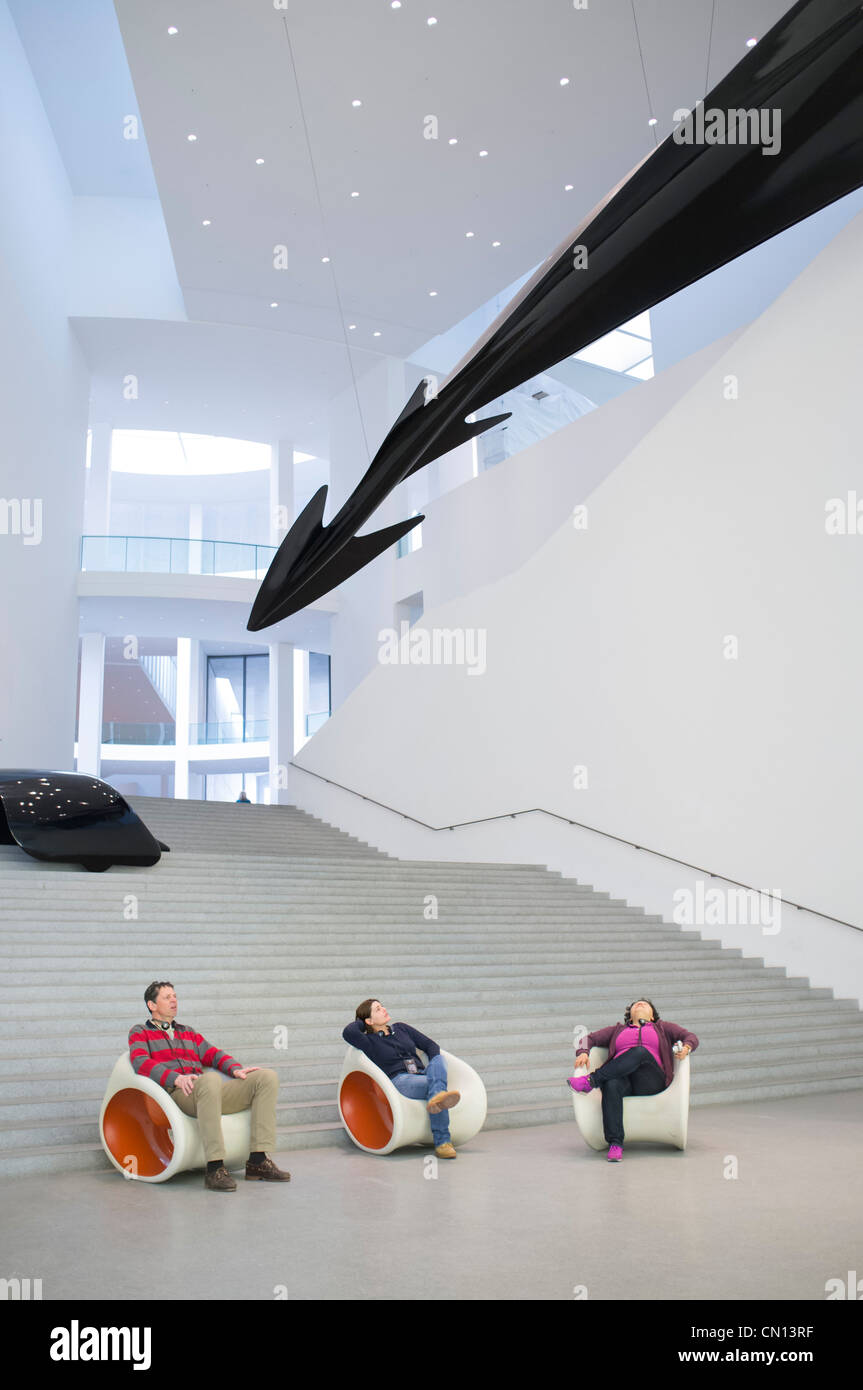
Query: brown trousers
[214,1095]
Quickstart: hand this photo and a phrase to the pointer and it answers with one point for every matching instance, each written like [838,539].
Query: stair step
[268,917]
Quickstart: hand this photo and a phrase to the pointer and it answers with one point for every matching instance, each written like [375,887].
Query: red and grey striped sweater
[154,1054]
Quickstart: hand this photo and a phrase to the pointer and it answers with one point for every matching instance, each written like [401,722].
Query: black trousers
[632,1073]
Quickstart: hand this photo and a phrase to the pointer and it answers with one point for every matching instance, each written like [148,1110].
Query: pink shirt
[628,1037]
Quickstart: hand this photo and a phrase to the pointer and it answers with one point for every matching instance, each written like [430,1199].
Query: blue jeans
[422,1086]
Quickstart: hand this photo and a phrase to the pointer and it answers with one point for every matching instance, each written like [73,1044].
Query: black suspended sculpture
[686,209]
[72,818]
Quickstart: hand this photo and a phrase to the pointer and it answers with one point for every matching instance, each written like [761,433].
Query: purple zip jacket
[668,1033]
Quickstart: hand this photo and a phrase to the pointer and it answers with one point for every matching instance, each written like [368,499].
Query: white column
[183,717]
[97,501]
[366,599]
[281,490]
[301,697]
[90,703]
[281,719]
[196,686]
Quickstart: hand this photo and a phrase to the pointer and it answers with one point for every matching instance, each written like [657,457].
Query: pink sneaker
[615,1153]
[579,1083]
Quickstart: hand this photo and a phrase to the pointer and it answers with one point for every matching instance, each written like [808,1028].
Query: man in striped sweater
[175,1057]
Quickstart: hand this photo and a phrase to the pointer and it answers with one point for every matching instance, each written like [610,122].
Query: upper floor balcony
[175,555]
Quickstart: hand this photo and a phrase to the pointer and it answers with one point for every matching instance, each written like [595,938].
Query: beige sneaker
[444,1100]
[446,1151]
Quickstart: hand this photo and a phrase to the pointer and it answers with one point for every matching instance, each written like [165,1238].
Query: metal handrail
[261,562]
[540,811]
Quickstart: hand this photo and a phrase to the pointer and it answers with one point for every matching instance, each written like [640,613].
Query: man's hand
[240,1073]
[583,1059]
[186,1082]
[684,1051]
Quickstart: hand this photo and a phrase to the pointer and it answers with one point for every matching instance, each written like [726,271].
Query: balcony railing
[230,731]
[221,731]
[224,731]
[115,732]
[175,555]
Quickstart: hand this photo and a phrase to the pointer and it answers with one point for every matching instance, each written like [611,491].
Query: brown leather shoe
[444,1100]
[446,1151]
[266,1172]
[220,1180]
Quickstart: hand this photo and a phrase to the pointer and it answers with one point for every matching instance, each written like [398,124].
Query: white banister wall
[685,672]
[44,387]
[490,526]
[828,953]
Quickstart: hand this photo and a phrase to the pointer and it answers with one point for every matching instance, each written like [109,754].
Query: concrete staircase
[266,919]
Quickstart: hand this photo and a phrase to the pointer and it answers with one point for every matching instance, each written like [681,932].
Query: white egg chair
[147,1136]
[663,1118]
[379,1118]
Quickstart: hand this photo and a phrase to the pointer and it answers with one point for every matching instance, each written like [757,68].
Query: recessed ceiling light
[275,304]
[259,161]
[564,82]
[431,20]
[356,102]
[350,326]
[483,153]
[468,233]
[453,141]
[206,222]
[652,121]
[377,333]
[433,293]
[395,4]
[191,137]
[567,188]
[355,195]
[325,260]
[173,29]
[750,43]
[495,243]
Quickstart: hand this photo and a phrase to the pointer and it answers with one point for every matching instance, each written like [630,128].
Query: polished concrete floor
[521,1214]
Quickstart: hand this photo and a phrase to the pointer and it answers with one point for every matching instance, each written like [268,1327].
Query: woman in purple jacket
[640,1063]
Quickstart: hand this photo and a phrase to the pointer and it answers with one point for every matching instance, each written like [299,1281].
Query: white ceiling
[489,70]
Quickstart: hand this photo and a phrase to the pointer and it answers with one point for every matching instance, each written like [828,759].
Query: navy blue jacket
[389,1050]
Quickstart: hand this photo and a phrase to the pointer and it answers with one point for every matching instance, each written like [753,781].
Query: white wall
[713,527]
[120,260]
[43,409]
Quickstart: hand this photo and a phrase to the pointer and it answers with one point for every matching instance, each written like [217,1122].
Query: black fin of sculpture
[353,556]
[456,433]
[307,529]
[417,399]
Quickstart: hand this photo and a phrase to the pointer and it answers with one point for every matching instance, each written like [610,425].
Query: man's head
[161,1001]
[640,1011]
[372,1015]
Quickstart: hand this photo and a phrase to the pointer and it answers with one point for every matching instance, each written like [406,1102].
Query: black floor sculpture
[72,818]
[686,209]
